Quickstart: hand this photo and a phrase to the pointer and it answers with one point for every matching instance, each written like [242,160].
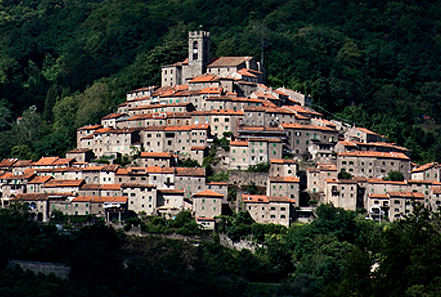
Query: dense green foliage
[332,256]
[373,63]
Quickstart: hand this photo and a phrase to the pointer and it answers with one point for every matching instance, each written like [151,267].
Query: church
[199,62]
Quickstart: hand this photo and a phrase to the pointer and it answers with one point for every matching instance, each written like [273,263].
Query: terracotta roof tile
[31,197]
[156,155]
[238,143]
[287,179]
[306,127]
[55,183]
[90,127]
[283,161]
[228,61]
[8,162]
[206,77]
[387,155]
[208,193]
[190,171]
[425,167]
[407,195]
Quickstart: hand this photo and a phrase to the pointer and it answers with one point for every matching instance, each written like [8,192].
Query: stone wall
[243,178]
[60,270]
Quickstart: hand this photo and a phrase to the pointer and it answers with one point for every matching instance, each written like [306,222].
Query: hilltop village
[203,101]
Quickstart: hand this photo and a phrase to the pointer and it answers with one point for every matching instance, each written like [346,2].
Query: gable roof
[208,193]
[228,61]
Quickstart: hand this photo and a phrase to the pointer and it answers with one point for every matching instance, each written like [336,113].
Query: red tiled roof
[238,143]
[79,150]
[228,61]
[55,183]
[287,179]
[425,167]
[156,154]
[283,161]
[190,171]
[388,155]
[198,148]
[306,127]
[32,197]
[208,193]
[97,199]
[90,127]
[207,77]
[431,182]
[381,181]
[378,196]
[332,167]
[265,199]
[40,179]
[211,90]
[153,106]
[245,72]
[367,131]
[407,195]
[8,162]
[112,116]
[301,109]
[45,161]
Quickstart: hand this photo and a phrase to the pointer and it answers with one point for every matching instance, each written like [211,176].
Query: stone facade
[342,193]
[268,209]
[207,204]
[373,164]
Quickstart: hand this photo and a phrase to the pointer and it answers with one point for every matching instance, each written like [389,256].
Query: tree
[344,175]
[394,176]
[23,152]
[189,163]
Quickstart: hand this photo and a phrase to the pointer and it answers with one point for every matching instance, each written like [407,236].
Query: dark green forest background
[64,64]
[335,255]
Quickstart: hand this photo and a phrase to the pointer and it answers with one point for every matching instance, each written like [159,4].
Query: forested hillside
[338,254]
[373,63]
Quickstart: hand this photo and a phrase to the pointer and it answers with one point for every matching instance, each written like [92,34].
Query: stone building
[268,209]
[373,164]
[160,159]
[140,197]
[429,171]
[207,204]
[199,62]
[285,187]
[283,167]
[363,135]
[301,137]
[254,151]
[391,206]
[191,180]
[111,190]
[171,202]
[343,193]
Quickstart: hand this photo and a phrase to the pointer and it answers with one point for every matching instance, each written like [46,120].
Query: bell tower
[198,52]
